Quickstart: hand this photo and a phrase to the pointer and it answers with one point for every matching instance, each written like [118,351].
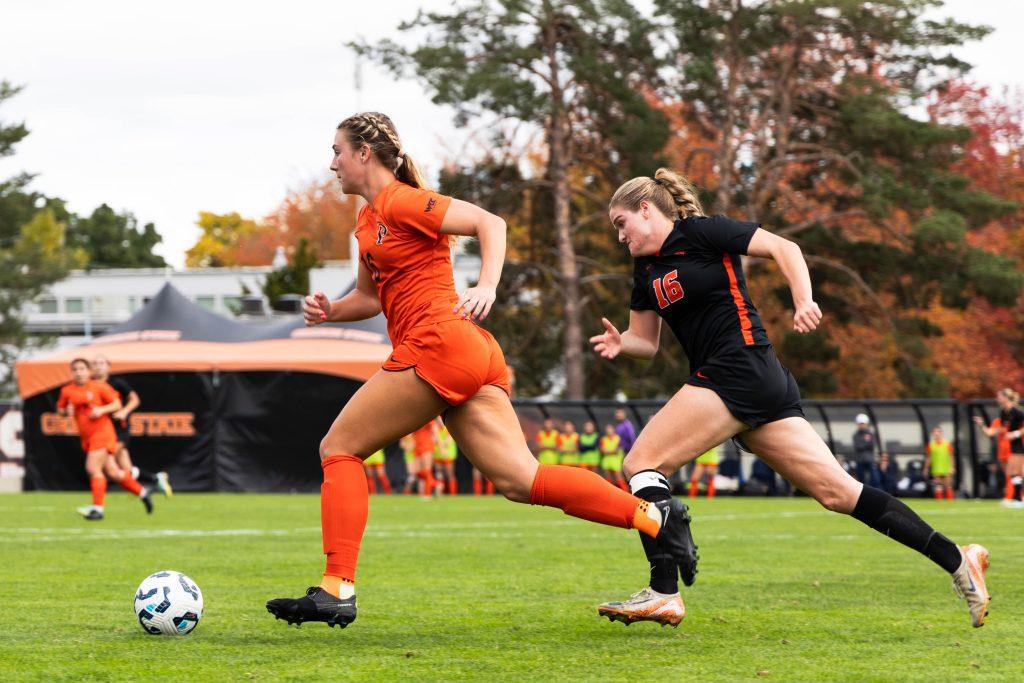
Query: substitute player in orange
[1008,428]
[442,363]
[91,402]
[688,272]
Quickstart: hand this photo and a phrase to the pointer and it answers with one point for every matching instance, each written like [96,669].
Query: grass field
[473,588]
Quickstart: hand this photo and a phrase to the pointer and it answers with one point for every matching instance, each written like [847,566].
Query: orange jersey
[1002,443]
[423,439]
[410,261]
[83,398]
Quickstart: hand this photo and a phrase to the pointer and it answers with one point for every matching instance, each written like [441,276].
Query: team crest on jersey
[382,232]
[430,205]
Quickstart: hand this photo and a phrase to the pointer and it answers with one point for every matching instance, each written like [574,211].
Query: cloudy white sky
[224,106]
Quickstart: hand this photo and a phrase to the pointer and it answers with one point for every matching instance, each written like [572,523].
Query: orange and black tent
[225,405]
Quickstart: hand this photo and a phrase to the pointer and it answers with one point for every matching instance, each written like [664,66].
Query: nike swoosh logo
[701,375]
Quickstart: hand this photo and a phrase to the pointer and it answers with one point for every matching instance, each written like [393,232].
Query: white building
[88,303]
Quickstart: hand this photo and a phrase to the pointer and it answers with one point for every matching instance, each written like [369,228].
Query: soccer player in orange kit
[442,364]
[91,402]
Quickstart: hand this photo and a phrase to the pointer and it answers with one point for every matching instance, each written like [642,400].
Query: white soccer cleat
[163,484]
[969,582]
[646,605]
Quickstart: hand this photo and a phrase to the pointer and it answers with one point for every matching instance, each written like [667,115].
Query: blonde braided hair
[377,131]
[670,192]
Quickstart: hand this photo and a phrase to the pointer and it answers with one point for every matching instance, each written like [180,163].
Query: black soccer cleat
[316,605]
[675,538]
[147,500]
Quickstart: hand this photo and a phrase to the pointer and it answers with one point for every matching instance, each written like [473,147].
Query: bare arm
[469,220]
[791,262]
[640,340]
[111,407]
[359,304]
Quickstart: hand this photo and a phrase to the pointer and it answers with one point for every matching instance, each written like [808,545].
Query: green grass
[473,588]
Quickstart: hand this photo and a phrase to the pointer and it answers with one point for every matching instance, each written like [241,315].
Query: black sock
[145,477]
[664,573]
[892,517]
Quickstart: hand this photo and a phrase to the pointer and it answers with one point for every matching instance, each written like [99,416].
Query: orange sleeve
[421,211]
[62,400]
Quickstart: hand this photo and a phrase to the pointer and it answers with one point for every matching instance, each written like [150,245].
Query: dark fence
[902,428]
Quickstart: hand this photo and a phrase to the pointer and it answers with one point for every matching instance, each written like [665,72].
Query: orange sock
[98,484]
[621,482]
[949,493]
[371,485]
[490,487]
[711,487]
[1008,491]
[344,504]
[129,484]
[586,495]
[693,488]
[384,483]
[478,487]
[938,494]
[453,487]
[333,584]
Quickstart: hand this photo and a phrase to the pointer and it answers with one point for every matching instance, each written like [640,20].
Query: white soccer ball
[168,603]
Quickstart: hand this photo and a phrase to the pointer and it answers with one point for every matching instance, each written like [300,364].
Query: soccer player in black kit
[688,272]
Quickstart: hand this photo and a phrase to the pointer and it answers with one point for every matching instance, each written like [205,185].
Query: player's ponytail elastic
[669,191]
[378,132]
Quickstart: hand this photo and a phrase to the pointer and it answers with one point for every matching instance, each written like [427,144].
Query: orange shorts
[456,357]
[101,439]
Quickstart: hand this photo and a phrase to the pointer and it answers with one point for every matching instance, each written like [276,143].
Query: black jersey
[121,387]
[1012,420]
[695,283]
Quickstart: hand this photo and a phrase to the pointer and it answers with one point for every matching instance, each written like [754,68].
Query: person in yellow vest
[569,445]
[590,454]
[445,453]
[547,443]
[374,468]
[610,446]
[706,465]
[938,462]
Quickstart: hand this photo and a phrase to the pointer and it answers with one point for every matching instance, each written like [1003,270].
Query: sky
[225,106]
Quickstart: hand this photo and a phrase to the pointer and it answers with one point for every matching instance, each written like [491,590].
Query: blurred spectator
[888,473]
[864,451]
[626,431]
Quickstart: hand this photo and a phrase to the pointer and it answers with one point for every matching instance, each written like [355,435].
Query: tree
[294,277]
[579,72]
[222,233]
[114,240]
[35,259]
[800,107]
[32,253]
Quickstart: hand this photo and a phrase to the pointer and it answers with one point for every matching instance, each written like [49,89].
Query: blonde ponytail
[670,192]
[378,131]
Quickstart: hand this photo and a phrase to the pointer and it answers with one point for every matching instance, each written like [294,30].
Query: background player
[1010,452]
[374,467]
[129,402]
[590,454]
[610,446]
[91,402]
[442,362]
[569,445]
[940,464]
[547,443]
[688,272]
[445,454]
[705,466]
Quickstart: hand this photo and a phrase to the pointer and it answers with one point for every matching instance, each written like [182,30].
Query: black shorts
[752,383]
[123,431]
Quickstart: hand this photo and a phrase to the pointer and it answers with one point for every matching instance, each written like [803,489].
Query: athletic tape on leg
[647,478]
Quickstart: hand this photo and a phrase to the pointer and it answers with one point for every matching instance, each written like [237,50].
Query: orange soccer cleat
[646,605]
[969,582]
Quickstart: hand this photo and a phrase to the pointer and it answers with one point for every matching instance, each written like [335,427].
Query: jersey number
[667,289]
